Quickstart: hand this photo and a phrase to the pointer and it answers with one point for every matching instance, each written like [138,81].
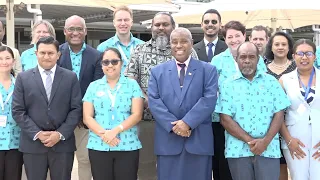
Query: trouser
[84,168]
[59,163]
[219,162]
[11,162]
[254,168]
[114,165]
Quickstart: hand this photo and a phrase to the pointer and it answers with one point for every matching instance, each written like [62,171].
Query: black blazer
[201,50]
[90,66]
[33,112]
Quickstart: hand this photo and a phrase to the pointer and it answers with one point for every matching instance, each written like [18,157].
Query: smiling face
[181,45]
[210,25]
[304,57]
[122,22]
[6,62]
[111,64]
[75,31]
[234,38]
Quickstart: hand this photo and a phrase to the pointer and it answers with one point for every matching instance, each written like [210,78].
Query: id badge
[3,121]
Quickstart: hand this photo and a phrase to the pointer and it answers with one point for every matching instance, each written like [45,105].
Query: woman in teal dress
[10,158]
[40,29]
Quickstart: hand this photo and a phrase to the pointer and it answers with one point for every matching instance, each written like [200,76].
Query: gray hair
[181,30]
[75,17]
[51,30]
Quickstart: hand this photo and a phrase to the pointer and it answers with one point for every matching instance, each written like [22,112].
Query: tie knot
[48,72]
[183,65]
[210,45]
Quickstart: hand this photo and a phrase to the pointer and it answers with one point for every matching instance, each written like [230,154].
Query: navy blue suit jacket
[194,104]
[90,66]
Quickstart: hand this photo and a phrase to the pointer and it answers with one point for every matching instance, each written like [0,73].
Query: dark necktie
[182,74]
[210,53]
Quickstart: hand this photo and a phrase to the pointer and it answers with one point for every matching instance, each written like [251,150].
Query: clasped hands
[181,128]
[49,138]
[110,136]
[258,146]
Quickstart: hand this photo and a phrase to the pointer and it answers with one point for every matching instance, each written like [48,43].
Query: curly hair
[269,54]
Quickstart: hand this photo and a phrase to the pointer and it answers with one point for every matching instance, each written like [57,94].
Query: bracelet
[121,127]
[289,142]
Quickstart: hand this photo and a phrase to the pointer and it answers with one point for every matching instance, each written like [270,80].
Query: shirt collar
[117,40]
[259,73]
[82,49]
[53,70]
[186,62]
[206,42]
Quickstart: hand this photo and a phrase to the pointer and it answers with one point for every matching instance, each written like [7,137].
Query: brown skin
[76,38]
[161,26]
[210,30]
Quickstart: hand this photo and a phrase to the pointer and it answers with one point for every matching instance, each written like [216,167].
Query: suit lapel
[84,61]
[174,79]
[66,60]
[191,71]
[219,48]
[203,52]
[37,78]
[56,81]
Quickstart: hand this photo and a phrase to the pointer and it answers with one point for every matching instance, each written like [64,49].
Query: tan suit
[17,67]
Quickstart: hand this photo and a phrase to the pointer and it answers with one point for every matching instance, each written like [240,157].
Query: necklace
[280,67]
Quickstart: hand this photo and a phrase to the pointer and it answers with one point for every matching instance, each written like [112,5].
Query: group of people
[229,109]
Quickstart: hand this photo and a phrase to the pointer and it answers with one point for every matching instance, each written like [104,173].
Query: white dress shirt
[44,75]
[206,42]
[186,63]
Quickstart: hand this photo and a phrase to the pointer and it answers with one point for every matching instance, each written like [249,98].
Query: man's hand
[53,139]
[43,136]
[258,146]
[181,128]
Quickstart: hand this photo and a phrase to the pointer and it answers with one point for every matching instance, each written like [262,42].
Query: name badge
[3,121]
[301,109]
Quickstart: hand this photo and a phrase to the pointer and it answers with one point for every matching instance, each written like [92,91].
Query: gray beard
[162,42]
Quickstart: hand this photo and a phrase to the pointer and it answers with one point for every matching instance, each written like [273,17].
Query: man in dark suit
[85,61]
[182,95]
[46,105]
[210,45]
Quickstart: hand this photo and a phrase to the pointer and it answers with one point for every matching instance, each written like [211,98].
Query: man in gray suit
[46,105]
[210,45]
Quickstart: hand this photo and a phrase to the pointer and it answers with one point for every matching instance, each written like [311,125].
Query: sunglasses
[107,62]
[213,21]
[309,54]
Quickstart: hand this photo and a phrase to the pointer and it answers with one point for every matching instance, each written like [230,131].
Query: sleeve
[194,54]
[317,61]
[132,69]
[20,112]
[101,48]
[136,90]
[280,99]
[204,108]
[75,113]
[225,101]
[216,63]
[88,96]
[159,110]
[98,72]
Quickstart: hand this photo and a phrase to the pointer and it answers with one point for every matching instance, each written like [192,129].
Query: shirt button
[48,109]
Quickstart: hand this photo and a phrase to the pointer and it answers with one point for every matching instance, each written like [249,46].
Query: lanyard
[124,57]
[307,89]
[6,101]
[113,97]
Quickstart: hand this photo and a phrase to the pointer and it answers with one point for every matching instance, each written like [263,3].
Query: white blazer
[297,117]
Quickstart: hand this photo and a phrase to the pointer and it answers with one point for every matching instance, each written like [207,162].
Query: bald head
[74,18]
[181,31]
[247,59]
[181,44]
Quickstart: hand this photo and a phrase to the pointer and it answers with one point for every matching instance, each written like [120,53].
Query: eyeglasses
[74,29]
[107,62]
[309,54]
[213,21]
